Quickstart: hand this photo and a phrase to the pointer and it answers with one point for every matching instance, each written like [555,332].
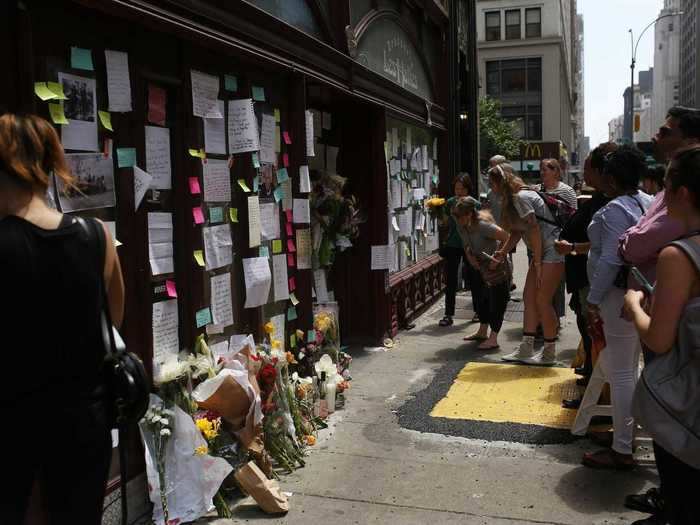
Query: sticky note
[292,284]
[203,317]
[264,252]
[290,246]
[170,288]
[278,193]
[126,157]
[230,83]
[216,214]
[106,119]
[435,179]
[243,185]
[198,215]
[57,89]
[293,340]
[256,183]
[290,260]
[81,59]
[291,313]
[199,257]
[282,175]
[195,188]
[256,160]
[199,153]
[43,92]
[278,116]
[277,246]
[294,299]
[289,215]
[289,229]
[285,160]
[258,94]
[311,336]
[57,114]
[107,149]
[233,213]
[287,138]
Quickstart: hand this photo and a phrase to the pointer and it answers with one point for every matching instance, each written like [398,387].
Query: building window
[493,25]
[513,24]
[533,23]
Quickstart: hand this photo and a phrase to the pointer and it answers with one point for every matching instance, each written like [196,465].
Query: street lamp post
[629,118]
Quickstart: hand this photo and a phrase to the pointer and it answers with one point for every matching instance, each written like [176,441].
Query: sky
[608,53]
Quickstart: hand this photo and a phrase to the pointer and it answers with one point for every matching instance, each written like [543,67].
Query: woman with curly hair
[526,216]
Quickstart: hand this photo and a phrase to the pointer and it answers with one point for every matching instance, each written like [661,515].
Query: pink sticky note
[170,287]
[198,215]
[287,138]
[285,160]
[290,246]
[289,215]
[290,260]
[194,186]
[292,284]
[289,229]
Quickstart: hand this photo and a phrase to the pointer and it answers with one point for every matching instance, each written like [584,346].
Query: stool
[589,404]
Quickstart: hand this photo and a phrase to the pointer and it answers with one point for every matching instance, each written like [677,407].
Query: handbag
[491,277]
[125,382]
[667,398]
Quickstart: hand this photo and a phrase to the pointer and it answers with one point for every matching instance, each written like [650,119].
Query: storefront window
[295,12]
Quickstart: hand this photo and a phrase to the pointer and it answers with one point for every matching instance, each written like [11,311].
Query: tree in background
[497,136]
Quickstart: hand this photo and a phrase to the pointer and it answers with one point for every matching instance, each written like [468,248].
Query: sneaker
[545,357]
[521,354]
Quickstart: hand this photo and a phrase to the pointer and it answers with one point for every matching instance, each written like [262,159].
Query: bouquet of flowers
[436,208]
[158,420]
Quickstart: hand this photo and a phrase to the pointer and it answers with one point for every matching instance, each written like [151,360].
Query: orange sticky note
[170,288]
[198,215]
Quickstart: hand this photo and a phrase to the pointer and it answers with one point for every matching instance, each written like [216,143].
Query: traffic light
[637,122]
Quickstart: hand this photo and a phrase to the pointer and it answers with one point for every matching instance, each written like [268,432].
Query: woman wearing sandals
[453,251]
[481,237]
[525,215]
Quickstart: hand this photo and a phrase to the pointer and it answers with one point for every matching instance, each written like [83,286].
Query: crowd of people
[628,252]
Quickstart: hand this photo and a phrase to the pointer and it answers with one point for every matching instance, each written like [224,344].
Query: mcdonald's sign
[539,150]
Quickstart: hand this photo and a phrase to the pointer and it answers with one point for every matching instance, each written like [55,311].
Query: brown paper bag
[265,492]
[231,401]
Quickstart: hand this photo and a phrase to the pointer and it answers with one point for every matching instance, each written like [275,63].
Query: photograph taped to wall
[80,108]
[94,179]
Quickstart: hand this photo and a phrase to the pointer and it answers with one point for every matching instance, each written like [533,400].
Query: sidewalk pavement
[367,468]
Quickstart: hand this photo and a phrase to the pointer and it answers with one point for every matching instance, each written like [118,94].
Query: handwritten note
[118,81]
[279,270]
[215,132]
[381,257]
[205,92]
[278,322]
[304,249]
[270,221]
[309,134]
[142,181]
[217,181]
[218,246]
[304,180]
[158,157]
[320,286]
[257,278]
[221,306]
[166,342]
[253,221]
[267,139]
[286,194]
[242,126]
[160,256]
[302,213]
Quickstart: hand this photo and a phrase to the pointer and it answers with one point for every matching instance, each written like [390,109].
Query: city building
[579,155]
[616,129]
[689,51]
[528,60]
[667,42]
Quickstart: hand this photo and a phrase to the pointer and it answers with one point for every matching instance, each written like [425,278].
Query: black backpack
[561,210]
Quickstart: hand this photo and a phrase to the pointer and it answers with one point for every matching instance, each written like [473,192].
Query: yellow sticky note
[57,114]
[199,257]
[277,246]
[294,299]
[43,92]
[243,185]
[106,119]
[233,212]
[293,340]
[57,89]
[278,116]
[199,153]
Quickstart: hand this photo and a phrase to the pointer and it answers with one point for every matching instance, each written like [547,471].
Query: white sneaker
[521,354]
[545,357]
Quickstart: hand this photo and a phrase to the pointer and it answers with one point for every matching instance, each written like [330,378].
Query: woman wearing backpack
[619,360]
[50,322]
[667,400]
[526,215]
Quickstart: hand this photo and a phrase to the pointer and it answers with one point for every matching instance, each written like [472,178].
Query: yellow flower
[200,451]
[209,429]
[310,440]
[269,328]
[276,344]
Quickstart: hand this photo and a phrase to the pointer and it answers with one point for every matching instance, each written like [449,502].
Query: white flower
[325,364]
[301,356]
[170,371]
[165,432]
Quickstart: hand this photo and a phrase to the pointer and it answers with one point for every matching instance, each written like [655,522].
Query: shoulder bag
[491,277]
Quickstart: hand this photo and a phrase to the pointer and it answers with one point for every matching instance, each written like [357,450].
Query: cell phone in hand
[646,286]
[489,257]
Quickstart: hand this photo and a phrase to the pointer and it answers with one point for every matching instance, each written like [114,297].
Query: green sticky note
[126,157]
[233,213]
[277,246]
[256,160]
[291,313]
[43,92]
[282,175]
[435,179]
[243,185]
[278,116]
[203,317]
[256,183]
[258,94]
[311,336]
[81,58]
[264,252]
[279,193]
[216,214]
[57,114]
[293,340]
[57,89]
[106,119]
[230,83]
